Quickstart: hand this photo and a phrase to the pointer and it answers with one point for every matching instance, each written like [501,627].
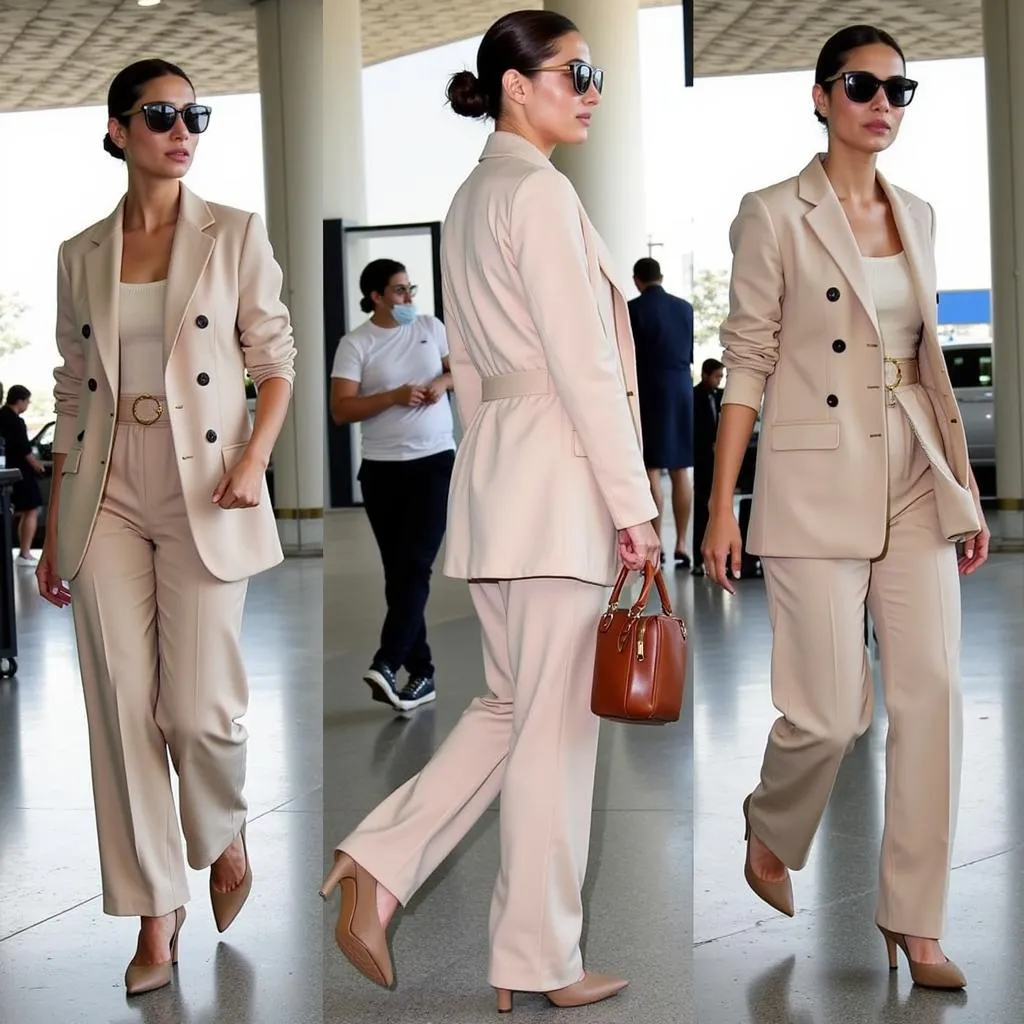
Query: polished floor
[61,960]
[639,883]
[828,964]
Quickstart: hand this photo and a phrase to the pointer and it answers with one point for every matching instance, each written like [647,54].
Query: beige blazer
[542,358]
[223,315]
[802,332]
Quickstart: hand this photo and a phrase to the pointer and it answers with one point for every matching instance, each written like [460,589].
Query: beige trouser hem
[822,685]
[533,740]
[162,674]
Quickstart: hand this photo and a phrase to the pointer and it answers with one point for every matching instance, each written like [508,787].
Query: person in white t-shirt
[391,375]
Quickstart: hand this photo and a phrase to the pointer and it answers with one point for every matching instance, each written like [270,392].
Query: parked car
[970,372]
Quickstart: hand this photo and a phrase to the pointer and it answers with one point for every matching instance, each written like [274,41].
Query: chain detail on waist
[143,411]
[515,385]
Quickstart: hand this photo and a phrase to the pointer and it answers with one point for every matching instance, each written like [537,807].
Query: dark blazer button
[92,384]
[201,322]
[203,379]
[86,330]
[81,435]
[832,400]
[839,345]
[832,295]
[211,436]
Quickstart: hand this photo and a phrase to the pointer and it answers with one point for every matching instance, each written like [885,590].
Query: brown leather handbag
[640,667]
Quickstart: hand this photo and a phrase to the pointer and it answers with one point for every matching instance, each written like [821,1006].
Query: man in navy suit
[663,334]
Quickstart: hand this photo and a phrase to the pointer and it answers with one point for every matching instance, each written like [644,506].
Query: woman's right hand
[723,541]
[51,586]
[639,545]
[412,395]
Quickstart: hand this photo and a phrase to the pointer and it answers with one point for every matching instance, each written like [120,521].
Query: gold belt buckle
[135,410]
[891,388]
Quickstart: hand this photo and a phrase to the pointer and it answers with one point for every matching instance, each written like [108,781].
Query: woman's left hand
[975,548]
[241,486]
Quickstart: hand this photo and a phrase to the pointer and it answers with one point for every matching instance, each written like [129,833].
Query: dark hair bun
[112,148]
[466,95]
[366,304]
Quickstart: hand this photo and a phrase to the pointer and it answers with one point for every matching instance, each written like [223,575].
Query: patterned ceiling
[59,53]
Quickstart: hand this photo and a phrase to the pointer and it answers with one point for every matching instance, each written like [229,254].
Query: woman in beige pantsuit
[159,510]
[549,495]
[862,491]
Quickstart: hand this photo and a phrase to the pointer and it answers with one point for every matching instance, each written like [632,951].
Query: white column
[1004,72]
[289,40]
[344,167]
[608,170]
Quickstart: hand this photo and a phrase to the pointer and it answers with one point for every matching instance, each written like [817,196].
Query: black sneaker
[383,682]
[417,692]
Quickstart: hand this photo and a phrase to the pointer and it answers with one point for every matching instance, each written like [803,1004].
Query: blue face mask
[405,313]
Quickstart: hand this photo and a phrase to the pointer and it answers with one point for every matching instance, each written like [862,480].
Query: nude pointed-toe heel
[941,976]
[140,978]
[591,988]
[226,905]
[359,933]
[778,895]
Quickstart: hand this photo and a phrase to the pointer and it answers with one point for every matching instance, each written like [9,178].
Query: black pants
[407,505]
[703,473]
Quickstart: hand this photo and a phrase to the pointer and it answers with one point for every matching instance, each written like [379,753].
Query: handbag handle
[652,576]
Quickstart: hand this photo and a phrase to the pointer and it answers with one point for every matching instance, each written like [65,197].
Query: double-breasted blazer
[544,371]
[223,315]
[802,333]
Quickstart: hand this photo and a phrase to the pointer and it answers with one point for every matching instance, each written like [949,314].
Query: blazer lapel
[827,220]
[911,234]
[190,254]
[102,282]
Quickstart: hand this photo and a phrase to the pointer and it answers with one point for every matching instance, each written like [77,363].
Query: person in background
[707,402]
[663,335]
[26,498]
[391,374]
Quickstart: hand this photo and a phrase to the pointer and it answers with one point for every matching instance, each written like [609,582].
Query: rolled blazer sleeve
[750,334]
[264,324]
[549,251]
[69,374]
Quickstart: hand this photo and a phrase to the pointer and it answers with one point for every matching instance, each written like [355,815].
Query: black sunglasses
[583,75]
[161,117]
[862,87]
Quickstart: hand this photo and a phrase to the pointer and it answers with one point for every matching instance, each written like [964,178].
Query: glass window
[969,367]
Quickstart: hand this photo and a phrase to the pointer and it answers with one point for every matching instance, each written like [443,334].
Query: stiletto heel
[504,1000]
[941,976]
[226,905]
[359,933]
[890,946]
[778,895]
[140,978]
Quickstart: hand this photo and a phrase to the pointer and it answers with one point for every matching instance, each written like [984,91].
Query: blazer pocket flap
[791,437]
[71,461]
[231,453]
[577,446]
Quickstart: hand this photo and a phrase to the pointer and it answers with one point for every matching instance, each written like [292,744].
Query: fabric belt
[143,410]
[515,385]
[899,372]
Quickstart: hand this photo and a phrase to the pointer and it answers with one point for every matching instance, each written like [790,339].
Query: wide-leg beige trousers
[158,646]
[533,739]
[822,685]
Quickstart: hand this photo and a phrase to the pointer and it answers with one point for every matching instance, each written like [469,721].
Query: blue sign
[965,307]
